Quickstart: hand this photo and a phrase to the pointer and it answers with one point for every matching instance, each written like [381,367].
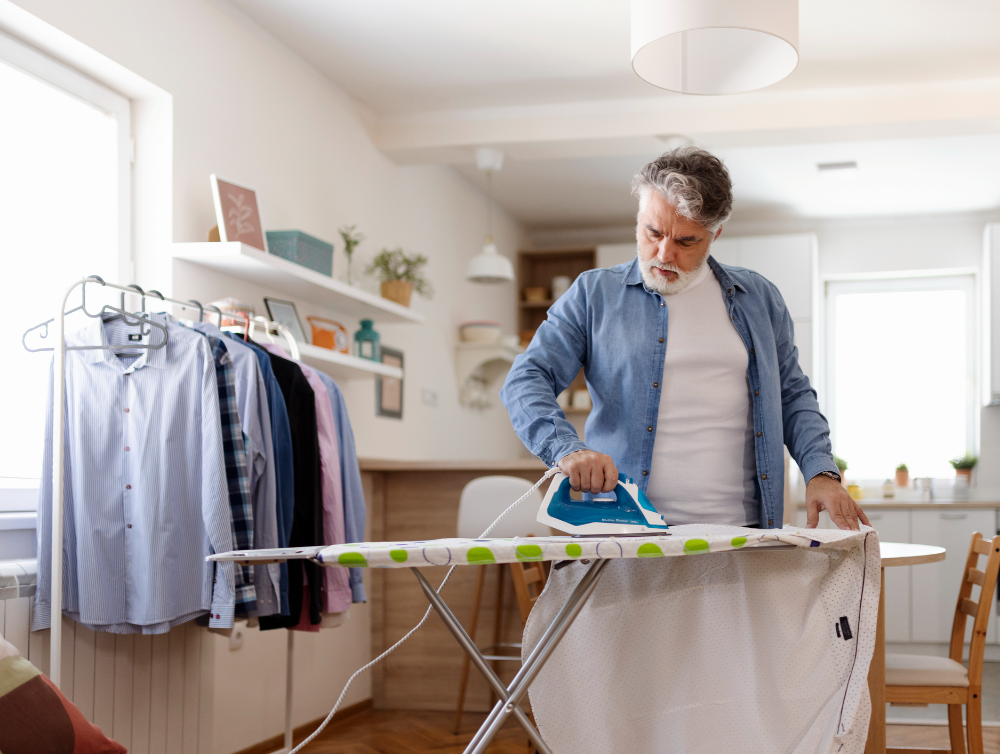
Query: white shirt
[703,455]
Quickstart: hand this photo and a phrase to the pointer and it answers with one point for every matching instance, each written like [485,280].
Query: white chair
[483,499]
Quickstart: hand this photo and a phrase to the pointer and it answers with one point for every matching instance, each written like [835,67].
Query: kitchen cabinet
[935,585]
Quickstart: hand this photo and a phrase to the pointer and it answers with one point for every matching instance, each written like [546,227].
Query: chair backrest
[529,581]
[486,497]
[979,611]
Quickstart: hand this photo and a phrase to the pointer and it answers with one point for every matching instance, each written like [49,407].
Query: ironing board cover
[763,652]
[681,540]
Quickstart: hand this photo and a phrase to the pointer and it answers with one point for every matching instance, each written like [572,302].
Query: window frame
[963,279]
[20,494]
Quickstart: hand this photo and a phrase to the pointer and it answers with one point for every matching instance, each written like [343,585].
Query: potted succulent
[841,467]
[400,274]
[902,476]
[351,240]
[963,466]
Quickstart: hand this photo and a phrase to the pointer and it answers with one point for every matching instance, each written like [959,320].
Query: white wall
[249,110]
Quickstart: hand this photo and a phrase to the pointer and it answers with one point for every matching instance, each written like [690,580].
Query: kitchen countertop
[883,504]
[511,464]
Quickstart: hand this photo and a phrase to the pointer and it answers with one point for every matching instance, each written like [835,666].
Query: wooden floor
[413,731]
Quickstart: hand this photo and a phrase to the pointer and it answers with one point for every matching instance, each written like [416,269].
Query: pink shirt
[336,588]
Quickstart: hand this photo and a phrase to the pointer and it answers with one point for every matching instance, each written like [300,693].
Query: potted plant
[841,467]
[400,274]
[902,476]
[963,466]
[351,241]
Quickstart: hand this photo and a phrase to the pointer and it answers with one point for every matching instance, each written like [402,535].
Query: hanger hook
[142,295]
[201,309]
[217,310]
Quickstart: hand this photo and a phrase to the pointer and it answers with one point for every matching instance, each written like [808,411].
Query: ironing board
[596,552]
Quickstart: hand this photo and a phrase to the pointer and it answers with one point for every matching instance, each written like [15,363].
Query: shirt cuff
[559,450]
[815,464]
[222,616]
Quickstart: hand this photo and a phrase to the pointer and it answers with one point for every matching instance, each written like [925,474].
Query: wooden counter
[905,505]
[414,500]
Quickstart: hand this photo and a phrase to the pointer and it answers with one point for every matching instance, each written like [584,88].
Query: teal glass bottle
[366,343]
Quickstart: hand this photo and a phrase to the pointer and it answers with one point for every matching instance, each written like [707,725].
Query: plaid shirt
[237,474]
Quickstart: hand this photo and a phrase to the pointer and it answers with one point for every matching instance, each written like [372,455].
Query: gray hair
[694,181]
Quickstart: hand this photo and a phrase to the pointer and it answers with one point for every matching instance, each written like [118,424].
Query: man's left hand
[824,493]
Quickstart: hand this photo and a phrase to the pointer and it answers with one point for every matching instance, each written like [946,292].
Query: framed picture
[389,390]
[284,313]
[237,213]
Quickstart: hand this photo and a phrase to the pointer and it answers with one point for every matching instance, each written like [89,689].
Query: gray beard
[663,287]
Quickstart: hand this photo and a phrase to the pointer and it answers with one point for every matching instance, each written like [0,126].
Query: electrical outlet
[430,397]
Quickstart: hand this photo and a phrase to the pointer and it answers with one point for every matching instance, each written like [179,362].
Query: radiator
[152,694]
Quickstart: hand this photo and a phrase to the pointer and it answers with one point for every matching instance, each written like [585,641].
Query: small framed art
[285,313]
[389,390]
[238,214]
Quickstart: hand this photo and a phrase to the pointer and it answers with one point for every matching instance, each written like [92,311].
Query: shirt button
[729,290]
[756,392]
[645,473]
[649,429]
[216,616]
[662,303]
[759,434]
[732,317]
[126,448]
[763,476]
[656,384]
[126,411]
[770,522]
[128,486]
[661,340]
[129,526]
[751,350]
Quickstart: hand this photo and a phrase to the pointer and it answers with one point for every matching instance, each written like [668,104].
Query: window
[901,369]
[64,210]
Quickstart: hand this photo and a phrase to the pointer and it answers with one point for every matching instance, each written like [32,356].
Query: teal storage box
[301,248]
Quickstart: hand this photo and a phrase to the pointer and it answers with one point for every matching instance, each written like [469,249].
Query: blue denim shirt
[615,327]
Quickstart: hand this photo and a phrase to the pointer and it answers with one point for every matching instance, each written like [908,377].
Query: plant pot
[967,473]
[902,479]
[398,291]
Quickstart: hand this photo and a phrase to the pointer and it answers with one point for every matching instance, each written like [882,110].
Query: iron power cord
[427,613]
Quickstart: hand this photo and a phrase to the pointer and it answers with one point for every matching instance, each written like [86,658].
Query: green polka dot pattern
[649,550]
[574,551]
[738,542]
[352,559]
[480,556]
[399,556]
[528,552]
[696,545]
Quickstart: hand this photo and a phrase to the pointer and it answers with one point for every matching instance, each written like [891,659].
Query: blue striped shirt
[145,486]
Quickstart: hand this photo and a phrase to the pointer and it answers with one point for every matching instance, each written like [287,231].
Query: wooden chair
[921,680]
[483,499]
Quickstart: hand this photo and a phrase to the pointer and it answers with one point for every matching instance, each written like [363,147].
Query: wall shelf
[342,366]
[477,365]
[281,276]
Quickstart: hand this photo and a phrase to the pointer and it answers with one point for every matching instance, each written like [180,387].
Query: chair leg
[974,721]
[463,684]
[955,730]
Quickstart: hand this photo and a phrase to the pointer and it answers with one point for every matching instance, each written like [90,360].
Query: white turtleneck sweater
[703,456]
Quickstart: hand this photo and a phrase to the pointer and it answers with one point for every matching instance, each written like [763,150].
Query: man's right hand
[589,471]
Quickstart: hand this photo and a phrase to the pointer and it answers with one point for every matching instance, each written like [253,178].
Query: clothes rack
[59,349]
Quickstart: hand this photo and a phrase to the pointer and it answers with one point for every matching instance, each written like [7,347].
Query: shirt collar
[95,335]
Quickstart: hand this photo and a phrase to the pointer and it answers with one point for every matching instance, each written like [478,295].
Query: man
[692,368]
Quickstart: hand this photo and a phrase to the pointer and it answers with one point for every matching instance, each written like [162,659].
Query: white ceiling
[550,82]
[397,56]
[895,177]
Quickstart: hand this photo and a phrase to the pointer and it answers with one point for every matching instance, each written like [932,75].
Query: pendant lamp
[714,46]
[489,266]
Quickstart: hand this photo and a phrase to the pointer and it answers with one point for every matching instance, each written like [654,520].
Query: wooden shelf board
[343,366]
[283,277]
[537,304]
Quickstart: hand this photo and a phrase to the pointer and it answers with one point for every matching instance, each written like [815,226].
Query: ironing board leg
[476,656]
[534,662]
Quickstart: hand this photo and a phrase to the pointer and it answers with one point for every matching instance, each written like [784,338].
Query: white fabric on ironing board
[723,651]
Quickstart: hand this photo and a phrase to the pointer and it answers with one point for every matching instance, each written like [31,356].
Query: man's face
[671,247]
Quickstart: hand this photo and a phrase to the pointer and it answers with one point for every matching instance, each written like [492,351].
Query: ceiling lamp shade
[490,266]
[714,46]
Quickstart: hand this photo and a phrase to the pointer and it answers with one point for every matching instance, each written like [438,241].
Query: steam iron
[626,510]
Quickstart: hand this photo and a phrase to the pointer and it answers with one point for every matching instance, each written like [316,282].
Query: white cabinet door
[935,585]
[892,526]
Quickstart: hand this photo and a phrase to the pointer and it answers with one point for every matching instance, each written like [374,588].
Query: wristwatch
[832,474]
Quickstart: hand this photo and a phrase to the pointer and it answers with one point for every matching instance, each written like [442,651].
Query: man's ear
[717,234]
